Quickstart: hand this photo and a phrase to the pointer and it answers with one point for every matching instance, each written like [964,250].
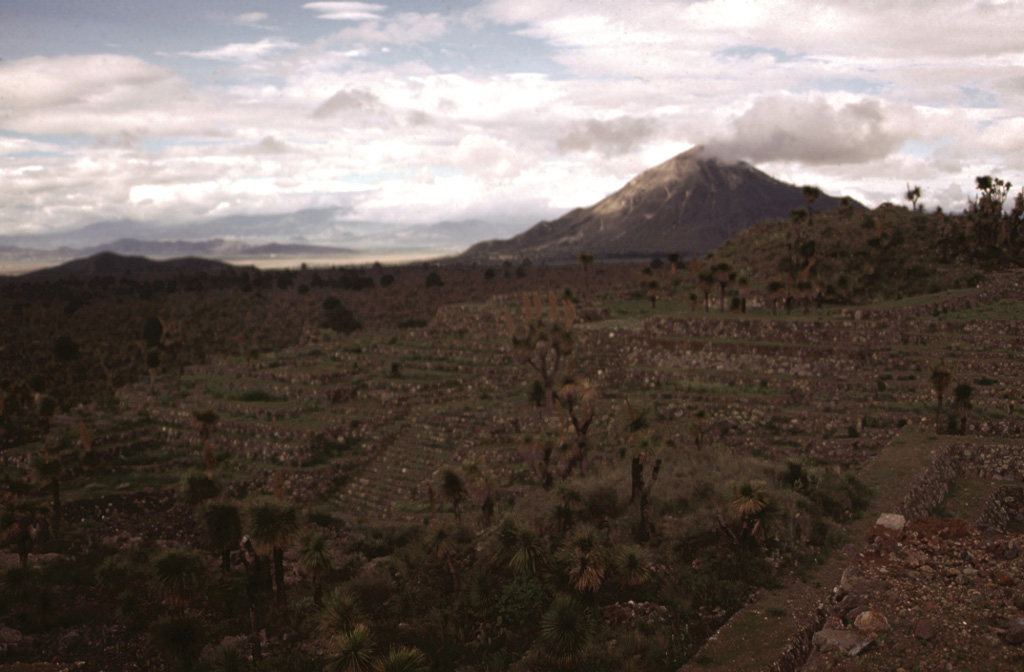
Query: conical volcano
[691,203]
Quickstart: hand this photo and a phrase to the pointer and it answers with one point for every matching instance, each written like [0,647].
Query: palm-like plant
[585,559]
[340,613]
[315,559]
[273,523]
[352,651]
[913,195]
[402,659]
[633,565]
[177,574]
[751,498]
[521,545]
[565,631]
[754,509]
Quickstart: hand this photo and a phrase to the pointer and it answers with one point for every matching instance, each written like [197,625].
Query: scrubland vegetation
[478,467]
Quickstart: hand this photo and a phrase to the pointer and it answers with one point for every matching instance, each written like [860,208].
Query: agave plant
[633,565]
[402,659]
[585,559]
[315,560]
[352,651]
[565,631]
[177,574]
[340,613]
[521,545]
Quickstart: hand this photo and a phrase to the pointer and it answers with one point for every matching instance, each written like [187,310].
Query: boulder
[871,621]
[892,521]
[847,641]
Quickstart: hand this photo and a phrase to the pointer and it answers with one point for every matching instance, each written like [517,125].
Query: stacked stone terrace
[833,388]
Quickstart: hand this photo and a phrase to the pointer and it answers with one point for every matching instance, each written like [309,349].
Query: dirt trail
[756,636]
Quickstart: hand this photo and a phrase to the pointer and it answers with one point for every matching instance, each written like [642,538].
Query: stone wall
[1004,507]
[930,488]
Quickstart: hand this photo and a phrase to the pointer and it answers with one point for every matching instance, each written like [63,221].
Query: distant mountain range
[691,203]
[318,233]
[110,264]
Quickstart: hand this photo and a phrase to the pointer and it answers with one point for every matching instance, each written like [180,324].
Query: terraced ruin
[356,430]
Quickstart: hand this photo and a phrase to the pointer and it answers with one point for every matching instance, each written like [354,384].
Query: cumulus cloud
[346,100]
[814,130]
[405,28]
[608,138]
[271,145]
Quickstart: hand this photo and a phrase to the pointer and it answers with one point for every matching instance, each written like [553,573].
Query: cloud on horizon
[814,130]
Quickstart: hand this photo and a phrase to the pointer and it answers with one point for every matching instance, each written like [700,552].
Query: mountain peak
[692,202]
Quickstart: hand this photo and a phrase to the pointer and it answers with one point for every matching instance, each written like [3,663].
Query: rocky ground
[938,594]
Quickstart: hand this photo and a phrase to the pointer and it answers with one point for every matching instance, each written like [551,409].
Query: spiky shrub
[633,565]
[352,651]
[315,560]
[340,613]
[402,659]
[178,573]
[565,631]
[272,524]
[584,558]
[520,546]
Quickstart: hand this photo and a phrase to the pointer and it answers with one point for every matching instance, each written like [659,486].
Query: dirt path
[756,636]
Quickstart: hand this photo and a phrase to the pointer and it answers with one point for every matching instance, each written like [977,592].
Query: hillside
[112,264]
[887,253]
[690,203]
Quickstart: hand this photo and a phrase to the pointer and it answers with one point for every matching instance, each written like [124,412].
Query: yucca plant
[402,659]
[520,545]
[272,525]
[585,559]
[352,651]
[340,613]
[633,565]
[177,574]
[565,631]
[315,560]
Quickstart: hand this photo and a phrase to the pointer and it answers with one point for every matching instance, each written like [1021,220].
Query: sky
[413,112]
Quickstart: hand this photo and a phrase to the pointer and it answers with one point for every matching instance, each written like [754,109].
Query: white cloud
[815,130]
[857,96]
[404,29]
[251,18]
[244,52]
[346,11]
[609,138]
